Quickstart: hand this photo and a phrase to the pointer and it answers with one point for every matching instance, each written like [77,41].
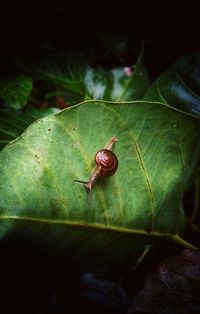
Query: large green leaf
[179,86]
[40,203]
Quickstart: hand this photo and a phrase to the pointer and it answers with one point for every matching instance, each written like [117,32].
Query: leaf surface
[139,204]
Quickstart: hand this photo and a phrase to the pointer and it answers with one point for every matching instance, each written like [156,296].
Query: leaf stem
[144,254]
[183,242]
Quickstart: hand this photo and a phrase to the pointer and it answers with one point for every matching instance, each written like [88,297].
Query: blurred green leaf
[118,84]
[16,92]
[130,86]
[76,80]
[64,72]
[179,86]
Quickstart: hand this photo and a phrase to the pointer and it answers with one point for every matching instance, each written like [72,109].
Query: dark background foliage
[168,31]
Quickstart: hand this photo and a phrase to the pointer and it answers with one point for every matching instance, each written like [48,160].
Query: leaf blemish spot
[49,130]
[77,145]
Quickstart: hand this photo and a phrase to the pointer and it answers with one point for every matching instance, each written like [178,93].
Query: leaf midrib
[85,224]
[173,237]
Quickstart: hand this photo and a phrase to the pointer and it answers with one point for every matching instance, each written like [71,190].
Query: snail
[106,165]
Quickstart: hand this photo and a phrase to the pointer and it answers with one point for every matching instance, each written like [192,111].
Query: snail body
[106,165]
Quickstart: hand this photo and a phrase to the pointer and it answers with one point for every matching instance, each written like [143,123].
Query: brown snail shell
[107,161]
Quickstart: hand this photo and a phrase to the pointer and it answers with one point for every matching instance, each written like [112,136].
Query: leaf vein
[159,92]
[142,164]
[186,86]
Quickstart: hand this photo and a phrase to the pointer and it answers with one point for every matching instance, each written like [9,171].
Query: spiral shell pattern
[107,161]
